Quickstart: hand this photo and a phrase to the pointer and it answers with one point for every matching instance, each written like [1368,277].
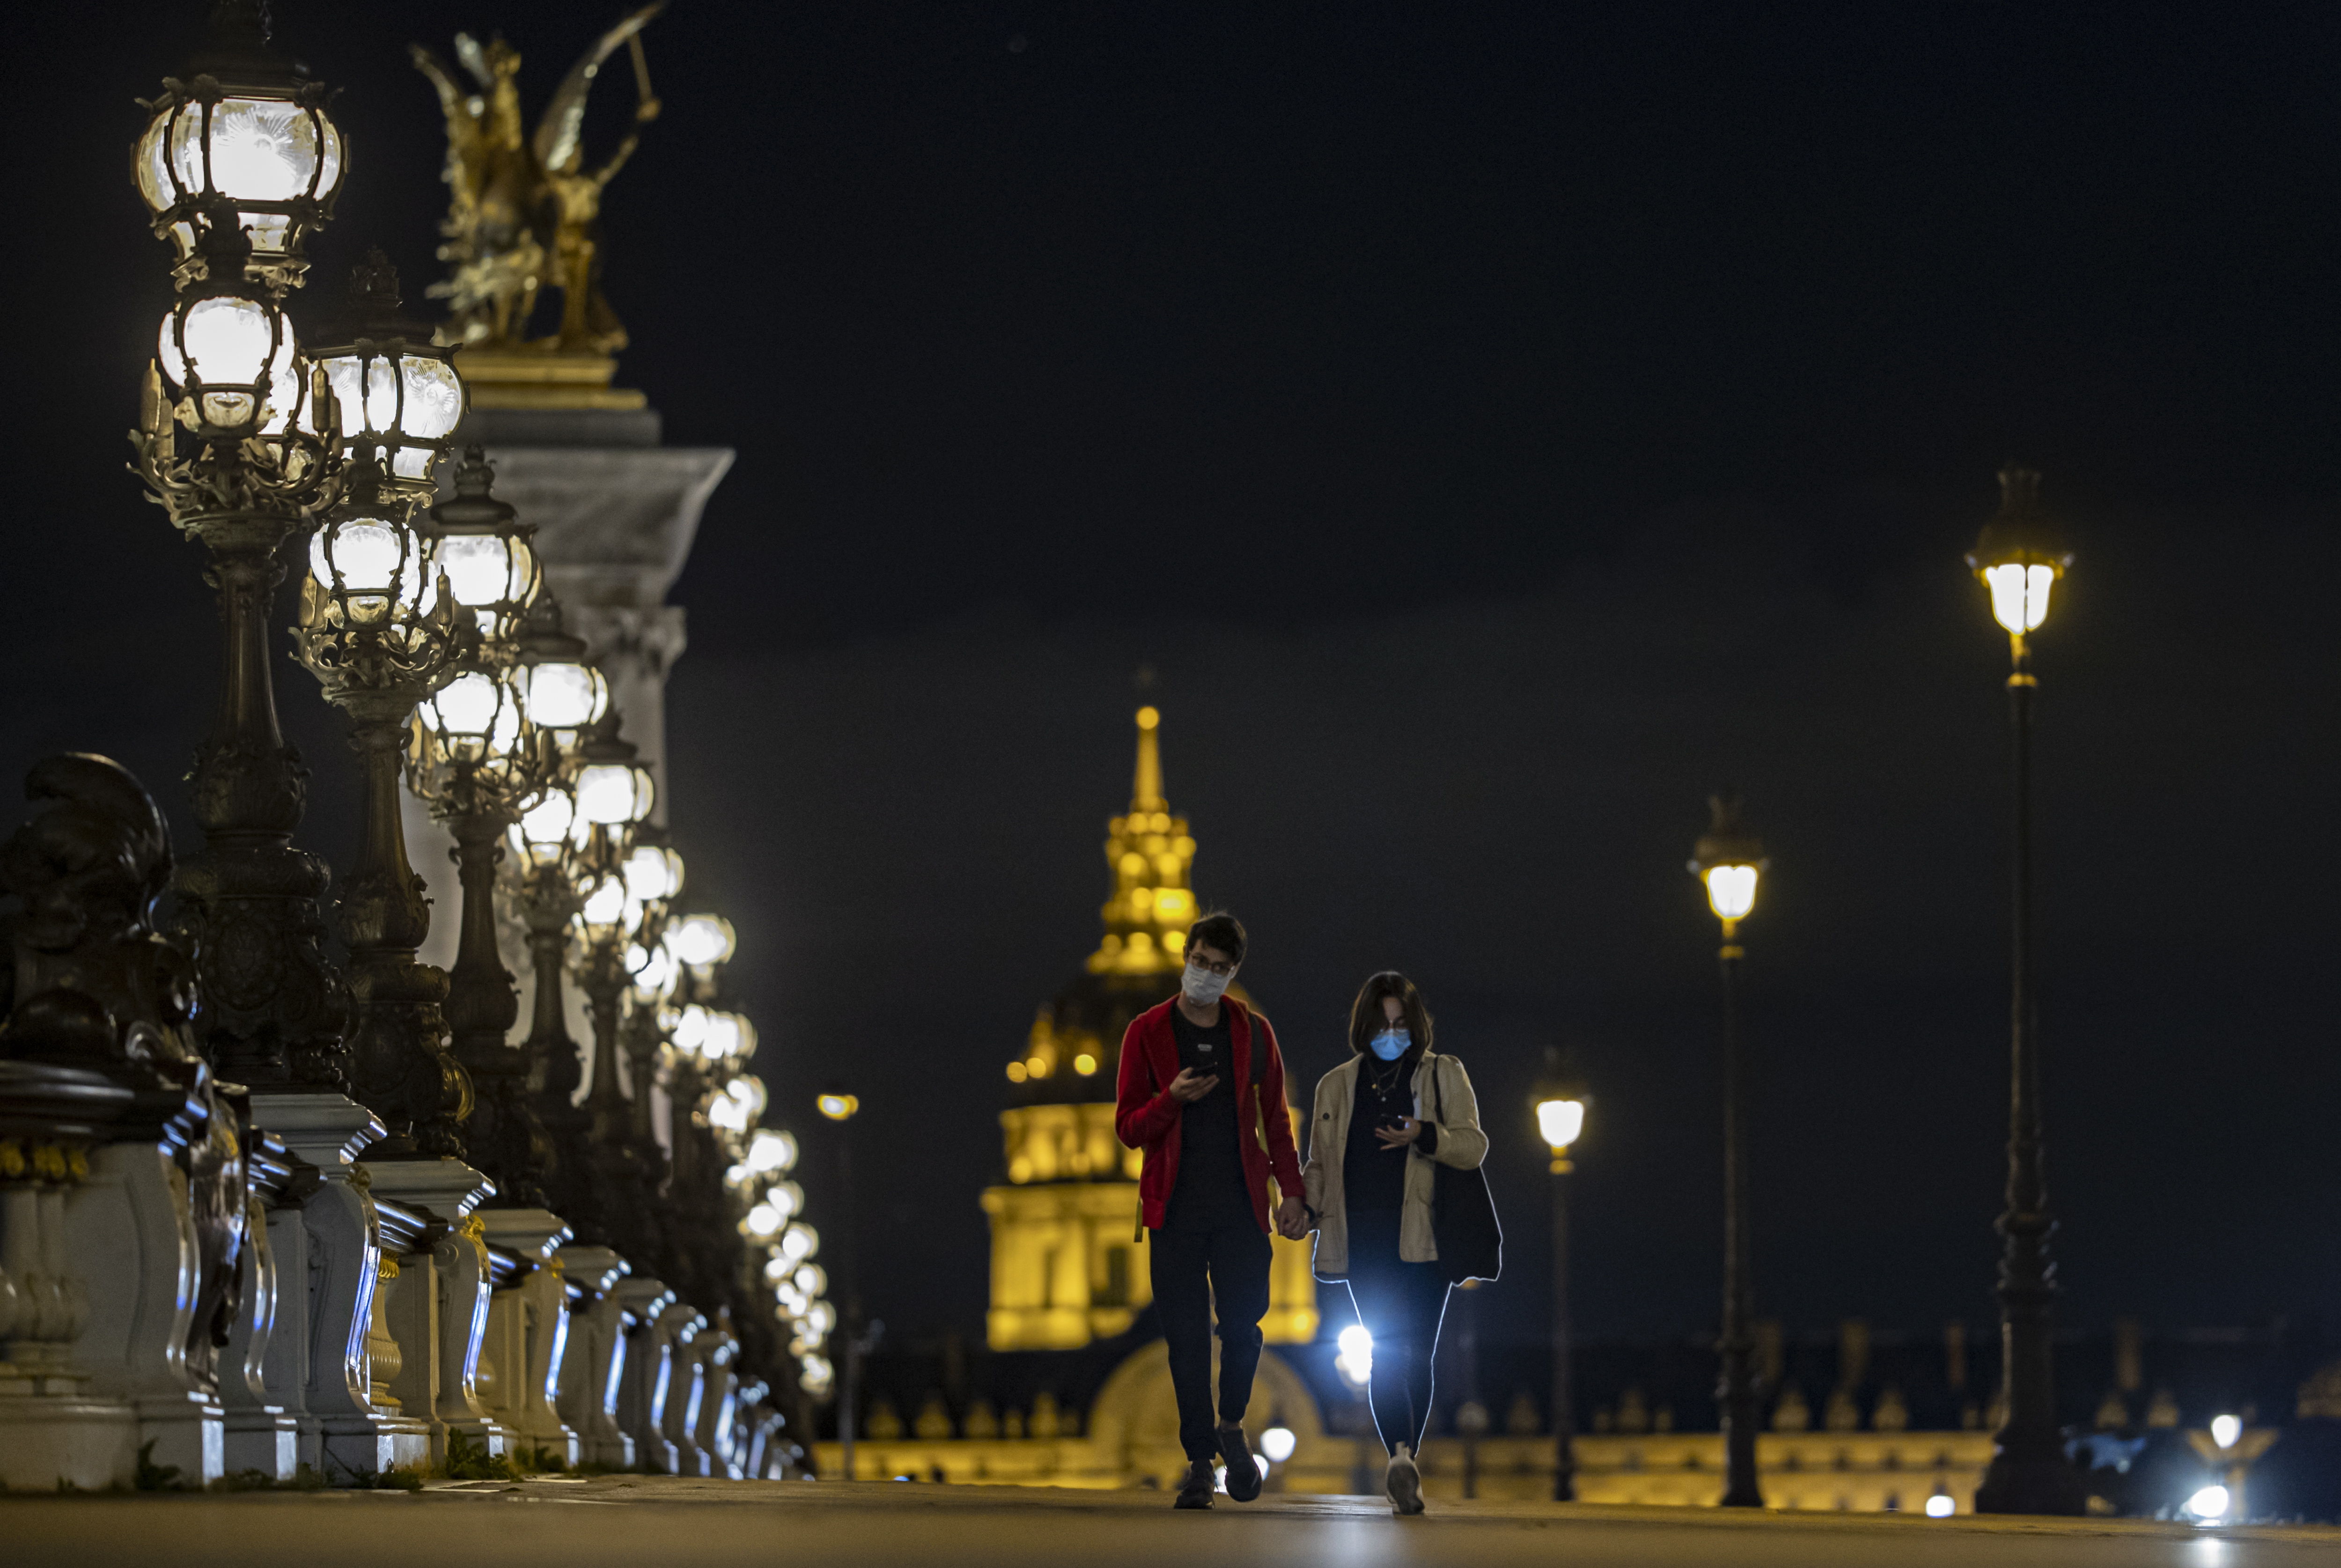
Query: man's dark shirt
[1373,1177]
[1211,1190]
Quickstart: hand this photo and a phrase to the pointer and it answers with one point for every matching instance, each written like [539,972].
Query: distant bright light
[1276,1445]
[1941,1507]
[837,1107]
[1731,891]
[2209,1503]
[1560,1120]
[2225,1429]
[2020,594]
[1354,1356]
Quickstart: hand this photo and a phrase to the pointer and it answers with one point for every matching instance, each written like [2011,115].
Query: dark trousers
[1402,1305]
[1190,1268]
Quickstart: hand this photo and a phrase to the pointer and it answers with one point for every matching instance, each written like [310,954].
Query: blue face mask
[1390,1044]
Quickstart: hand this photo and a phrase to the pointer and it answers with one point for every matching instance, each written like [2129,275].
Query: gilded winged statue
[526,209]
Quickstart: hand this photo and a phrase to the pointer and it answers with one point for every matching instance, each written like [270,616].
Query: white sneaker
[1403,1483]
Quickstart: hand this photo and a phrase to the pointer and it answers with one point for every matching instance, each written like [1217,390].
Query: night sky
[1499,426]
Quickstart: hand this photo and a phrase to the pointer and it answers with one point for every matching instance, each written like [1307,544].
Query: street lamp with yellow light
[247,130]
[2020,556]
[1729,862]
[1560,1104]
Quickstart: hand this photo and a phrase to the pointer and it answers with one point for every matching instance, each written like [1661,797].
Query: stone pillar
[648,1368]
[593,1364]
[329,1264]
[56,1429]
[263,1435]
[528,1328]
[437,1301]
[682,1325]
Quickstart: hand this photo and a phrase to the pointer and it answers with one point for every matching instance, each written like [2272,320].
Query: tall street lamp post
[379,633]
[1560,1107]
[2019,557]
[239,162]
[381,629]
[1728,861]
[839,1107]
[475,753]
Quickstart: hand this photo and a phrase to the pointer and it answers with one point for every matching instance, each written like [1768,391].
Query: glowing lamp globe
[653,872]
[838,1107]
[800,1242]
[1277,1444]
[483,549]
[654,971]
[368,567]
[227,352]
[2020,554]
[703,941]
[604,909]
[473,717]
[614,794]
[396,390]
[547,819]
[737,1106]
[1729,859]
[559,690]
[771,1150]
[247,130]
[1560,1122]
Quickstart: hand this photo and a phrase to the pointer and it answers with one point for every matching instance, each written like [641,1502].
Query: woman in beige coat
[1381,1121]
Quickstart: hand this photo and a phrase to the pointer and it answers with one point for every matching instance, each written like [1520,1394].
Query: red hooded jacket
[1146,1117]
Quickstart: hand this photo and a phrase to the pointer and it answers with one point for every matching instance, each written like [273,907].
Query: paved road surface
[645,1522]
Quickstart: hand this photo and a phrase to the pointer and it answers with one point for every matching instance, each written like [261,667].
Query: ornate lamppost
[380,632]
[2019,557]
[1561,1105]
[381,629]
[1729,859]
[475,753]
[611,796]
[566,697]
[841,1107]
[239,162]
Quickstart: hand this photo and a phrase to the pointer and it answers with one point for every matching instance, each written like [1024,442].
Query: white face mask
[1203,987]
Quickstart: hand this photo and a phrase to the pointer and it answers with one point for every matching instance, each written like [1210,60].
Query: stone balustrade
[197,1281]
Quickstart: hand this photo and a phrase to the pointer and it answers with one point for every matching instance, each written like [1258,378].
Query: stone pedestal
[715,1350]
[648,1373]
[686,1388]
[263,1435]
[130,1231]
[435,1306]
[55,1429]
[528,1327]
[329,1261]
[594,1361]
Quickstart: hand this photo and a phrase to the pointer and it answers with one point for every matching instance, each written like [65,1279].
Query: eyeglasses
[1207,967]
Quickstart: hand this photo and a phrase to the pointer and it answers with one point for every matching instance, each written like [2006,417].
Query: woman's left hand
[1398,1137]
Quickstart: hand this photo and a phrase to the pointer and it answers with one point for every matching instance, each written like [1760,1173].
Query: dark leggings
[1192,1270]
[1402,1305]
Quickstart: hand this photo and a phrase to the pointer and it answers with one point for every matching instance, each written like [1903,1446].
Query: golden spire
[1150,852]
[1146,792]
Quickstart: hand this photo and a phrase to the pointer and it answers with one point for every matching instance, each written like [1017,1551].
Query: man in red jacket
[1201,1091]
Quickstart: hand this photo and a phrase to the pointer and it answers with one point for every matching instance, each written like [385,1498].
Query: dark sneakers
[1197,1489]
[1243,1469]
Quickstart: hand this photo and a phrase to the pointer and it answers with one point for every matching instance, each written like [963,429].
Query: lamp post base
[2032,1475]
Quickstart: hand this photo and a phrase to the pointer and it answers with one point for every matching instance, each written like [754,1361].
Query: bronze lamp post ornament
[239,161]
[381,632]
